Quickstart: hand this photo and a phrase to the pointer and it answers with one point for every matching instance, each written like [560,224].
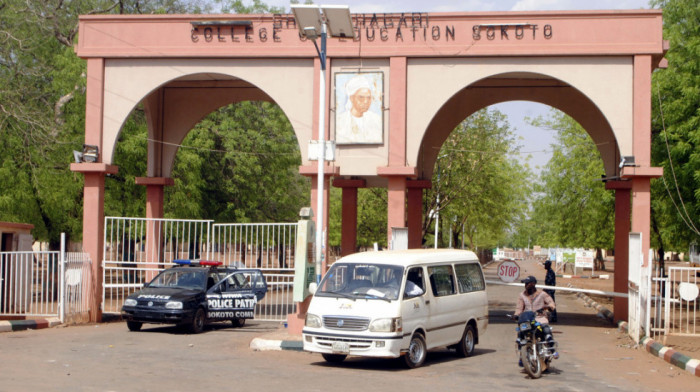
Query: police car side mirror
[312,288]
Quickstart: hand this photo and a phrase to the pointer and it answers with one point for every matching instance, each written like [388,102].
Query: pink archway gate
[426,68]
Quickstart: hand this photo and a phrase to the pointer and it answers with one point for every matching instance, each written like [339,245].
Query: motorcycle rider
[534,300]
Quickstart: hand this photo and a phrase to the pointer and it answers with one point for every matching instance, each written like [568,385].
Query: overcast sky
[535,142]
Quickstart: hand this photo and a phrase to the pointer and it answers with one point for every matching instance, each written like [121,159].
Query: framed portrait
[359,117]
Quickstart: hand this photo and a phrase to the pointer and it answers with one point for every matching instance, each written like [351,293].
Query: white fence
[30,284]
[137,249]
[675,303]
[45,284]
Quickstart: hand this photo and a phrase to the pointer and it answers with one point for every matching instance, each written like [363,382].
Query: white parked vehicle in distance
[398,303]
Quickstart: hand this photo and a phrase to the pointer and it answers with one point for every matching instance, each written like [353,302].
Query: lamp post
[313,24]
[437,200]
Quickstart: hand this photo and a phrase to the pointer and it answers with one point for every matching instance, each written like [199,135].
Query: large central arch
[435,69]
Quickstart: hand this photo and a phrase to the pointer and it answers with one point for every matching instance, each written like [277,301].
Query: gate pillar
[622,228]
[93,226]
[414,212]
[328,172]
[348,236]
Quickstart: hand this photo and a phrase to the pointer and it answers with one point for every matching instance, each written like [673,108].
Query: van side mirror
[312,288]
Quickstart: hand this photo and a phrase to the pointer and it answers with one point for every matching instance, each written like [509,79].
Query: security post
[304,270]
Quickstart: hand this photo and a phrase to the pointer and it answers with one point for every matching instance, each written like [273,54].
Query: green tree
[572,208]
[676,130]
[482,189]
[42,108]
[239,164]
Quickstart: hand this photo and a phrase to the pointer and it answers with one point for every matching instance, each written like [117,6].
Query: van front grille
[346,323]
[354,344]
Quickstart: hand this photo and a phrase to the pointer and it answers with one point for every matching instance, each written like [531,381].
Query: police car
[193,293]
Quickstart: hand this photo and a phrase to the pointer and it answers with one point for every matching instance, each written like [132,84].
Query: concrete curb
[22,325]
[602,310]
[666,353]
[259,344]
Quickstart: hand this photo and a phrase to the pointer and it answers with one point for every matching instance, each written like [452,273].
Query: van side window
[441,280]
[415,277]
[469,277]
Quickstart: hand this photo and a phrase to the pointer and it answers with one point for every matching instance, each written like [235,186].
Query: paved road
[107,357]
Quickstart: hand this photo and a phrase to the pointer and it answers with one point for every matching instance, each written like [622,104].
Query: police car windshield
[366,281]
[185,278]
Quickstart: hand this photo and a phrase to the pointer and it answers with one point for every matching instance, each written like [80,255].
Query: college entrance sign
[394,95]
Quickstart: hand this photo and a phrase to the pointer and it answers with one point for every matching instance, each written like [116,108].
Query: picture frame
[359,114]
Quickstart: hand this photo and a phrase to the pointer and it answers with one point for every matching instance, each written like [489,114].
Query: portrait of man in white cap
[356,120]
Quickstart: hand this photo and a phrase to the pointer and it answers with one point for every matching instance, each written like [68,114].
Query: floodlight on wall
[627,161]
[90,153]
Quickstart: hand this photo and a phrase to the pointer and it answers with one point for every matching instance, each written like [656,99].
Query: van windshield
[370,281]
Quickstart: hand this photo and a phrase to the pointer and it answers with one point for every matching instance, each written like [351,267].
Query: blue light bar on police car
[197,262]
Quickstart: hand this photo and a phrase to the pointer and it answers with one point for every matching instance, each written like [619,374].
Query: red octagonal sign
[508,271]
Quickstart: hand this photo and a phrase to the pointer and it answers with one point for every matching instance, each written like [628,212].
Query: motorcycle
[534,344]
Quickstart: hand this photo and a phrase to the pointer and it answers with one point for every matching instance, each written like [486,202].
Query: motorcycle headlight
[173,305]
[312,321]
[386,325]
[130,302]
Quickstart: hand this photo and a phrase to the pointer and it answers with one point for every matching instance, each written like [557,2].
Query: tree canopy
[480,189]
[571,207]
[676,129]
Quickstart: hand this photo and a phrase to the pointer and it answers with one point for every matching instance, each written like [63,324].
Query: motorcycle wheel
[531,360]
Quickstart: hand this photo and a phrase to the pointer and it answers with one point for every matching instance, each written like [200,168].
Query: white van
[394,303]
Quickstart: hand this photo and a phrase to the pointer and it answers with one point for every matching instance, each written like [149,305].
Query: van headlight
[130,302]
[386,325]
[173,305]
[312,321]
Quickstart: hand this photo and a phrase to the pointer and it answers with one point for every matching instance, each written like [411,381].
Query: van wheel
[465,348]
[417,351]
[334,358]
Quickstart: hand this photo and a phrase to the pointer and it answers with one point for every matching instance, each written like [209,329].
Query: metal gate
[268,246]
[676,302]
[45,284]
[137,249]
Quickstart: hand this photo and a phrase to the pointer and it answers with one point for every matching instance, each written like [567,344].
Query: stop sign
[508,271]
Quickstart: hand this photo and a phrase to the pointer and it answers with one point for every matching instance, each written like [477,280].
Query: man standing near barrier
[550,280]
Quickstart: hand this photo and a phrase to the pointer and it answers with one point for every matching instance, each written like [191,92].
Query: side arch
[595,92]
[166,87]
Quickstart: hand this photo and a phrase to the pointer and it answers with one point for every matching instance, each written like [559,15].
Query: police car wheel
[134,325]
[198,320]
[238,322]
